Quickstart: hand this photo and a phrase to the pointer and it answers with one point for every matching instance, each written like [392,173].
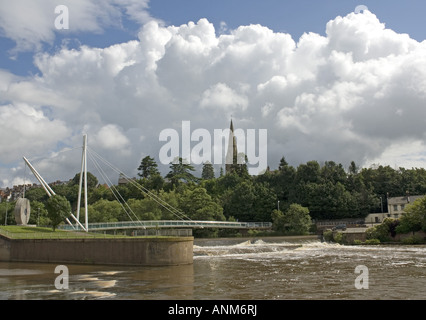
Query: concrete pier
[136,251]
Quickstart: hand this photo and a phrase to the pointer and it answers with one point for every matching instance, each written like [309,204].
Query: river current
[238,269]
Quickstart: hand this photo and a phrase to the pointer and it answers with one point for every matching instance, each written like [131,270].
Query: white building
[396,205]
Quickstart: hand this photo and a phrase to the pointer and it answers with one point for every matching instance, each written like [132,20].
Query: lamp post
[278,205]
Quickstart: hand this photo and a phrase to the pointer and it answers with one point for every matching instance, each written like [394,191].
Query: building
[396,205]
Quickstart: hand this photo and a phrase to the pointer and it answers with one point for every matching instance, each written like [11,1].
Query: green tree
[238,202]
[239,166]
[36,194]
[208,171]
[277,217]
[92,181]
[283,164]
[148,167]
[198,205]
[145,209]
[414,217]
[353,168]
[383,231]
[264,202]
[101,192]
[106,211]
[39,214]
[333,172]
[58,208]
[7,212]
[296,219]
[181,171]
[309,172]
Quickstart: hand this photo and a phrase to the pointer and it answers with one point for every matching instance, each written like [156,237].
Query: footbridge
[157,224]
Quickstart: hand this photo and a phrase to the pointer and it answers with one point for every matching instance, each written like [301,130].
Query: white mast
[83,171]
[43,183]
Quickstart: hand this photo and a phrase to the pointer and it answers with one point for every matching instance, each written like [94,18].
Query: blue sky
[293,17]
[125,70]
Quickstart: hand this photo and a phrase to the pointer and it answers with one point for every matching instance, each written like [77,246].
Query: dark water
[237,269]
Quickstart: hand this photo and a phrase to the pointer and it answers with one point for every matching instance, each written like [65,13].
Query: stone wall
[136,251]
[400,237]
[350,237]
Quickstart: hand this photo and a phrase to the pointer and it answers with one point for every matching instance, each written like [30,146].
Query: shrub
[328,235]
[372,241]
[382,231]
[338,237]
[414,239]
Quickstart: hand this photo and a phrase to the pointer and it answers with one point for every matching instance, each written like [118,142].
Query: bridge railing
[171,224]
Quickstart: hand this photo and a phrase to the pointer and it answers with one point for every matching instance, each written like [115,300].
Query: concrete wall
[4,249]
[136,251]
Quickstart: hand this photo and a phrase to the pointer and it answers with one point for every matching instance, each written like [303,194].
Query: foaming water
[268,268]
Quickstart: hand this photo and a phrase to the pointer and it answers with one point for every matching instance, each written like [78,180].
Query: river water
[241,269]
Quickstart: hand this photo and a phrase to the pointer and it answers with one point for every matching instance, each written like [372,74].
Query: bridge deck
[171,224]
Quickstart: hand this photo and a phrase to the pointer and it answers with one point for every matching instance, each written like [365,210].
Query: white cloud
[110,137]
[222,97]
[32,23]
[26,130]
[349,95]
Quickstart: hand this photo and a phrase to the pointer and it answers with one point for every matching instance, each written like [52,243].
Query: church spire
[232,152]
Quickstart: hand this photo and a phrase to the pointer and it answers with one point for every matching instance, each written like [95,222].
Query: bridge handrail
[171,223]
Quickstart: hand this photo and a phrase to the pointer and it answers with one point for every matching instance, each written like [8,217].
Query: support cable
[114,190]
[141,188]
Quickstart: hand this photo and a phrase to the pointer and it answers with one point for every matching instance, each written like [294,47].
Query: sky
[329,80]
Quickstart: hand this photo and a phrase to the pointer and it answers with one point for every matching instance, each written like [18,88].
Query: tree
[58,208]
[283,164]
[39,214]
[332,172]
[383,231]
[181,171]
[7,212]
[106,211]
[155,182]
[148,167]
[353,168]
[265,201]
[92,181]
[296,220]
[309,172]
[238,202]
[198,205]
[36,194]
[277,217]
[239,166]
[208,171]
[414,217]
[145,209]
